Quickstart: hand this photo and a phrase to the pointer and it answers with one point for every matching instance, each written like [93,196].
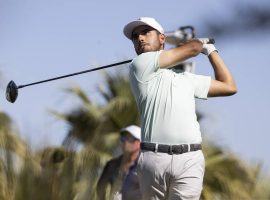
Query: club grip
[211,41]
[207,40]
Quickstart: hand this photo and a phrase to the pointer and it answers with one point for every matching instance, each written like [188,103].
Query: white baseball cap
[149,21]
[134,130]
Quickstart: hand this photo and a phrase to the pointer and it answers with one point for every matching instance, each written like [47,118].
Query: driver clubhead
[11,92]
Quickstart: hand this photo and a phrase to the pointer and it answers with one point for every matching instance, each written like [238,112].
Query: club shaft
[74,74]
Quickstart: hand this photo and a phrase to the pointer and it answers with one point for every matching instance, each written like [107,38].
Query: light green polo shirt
[166,100]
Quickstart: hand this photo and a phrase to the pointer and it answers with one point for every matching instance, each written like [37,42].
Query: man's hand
[208,49]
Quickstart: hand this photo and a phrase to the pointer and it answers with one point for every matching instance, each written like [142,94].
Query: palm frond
[78,92]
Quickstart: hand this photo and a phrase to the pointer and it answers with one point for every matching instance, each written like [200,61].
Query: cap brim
[129,28]
[130,131]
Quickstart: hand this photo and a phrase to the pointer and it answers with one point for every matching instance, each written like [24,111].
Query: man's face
[129,143]
[146,39]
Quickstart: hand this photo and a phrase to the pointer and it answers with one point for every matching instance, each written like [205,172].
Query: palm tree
[228,177]
[96,126]
[119,110]
[12,149]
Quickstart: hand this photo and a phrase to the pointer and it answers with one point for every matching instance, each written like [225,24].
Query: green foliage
[228,177]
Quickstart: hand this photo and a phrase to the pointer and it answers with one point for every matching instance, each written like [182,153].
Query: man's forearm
[179,54]
[222,72]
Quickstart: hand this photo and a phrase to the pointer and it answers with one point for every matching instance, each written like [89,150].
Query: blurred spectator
[119,176]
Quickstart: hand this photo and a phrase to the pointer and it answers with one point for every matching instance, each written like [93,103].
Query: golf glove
[204,40]
[208,49]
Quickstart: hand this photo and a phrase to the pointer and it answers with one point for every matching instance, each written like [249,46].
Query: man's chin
[145,50]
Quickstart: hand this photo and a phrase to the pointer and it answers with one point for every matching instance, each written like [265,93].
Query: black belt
[170,149]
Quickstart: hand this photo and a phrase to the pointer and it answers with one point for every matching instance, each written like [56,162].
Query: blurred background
[75,122]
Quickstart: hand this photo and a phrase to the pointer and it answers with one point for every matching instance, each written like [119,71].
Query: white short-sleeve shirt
[166,100]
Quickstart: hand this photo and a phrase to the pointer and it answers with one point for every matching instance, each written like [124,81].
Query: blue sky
[42,39]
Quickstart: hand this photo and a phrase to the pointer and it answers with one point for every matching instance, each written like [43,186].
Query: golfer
[171,164]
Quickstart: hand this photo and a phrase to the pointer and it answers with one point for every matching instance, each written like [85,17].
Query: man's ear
[162,38]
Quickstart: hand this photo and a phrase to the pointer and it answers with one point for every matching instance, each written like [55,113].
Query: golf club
[12,88]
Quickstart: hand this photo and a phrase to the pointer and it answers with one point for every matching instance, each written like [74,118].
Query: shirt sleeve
[145,65]
[201,84]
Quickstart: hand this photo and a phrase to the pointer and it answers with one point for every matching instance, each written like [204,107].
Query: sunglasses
[126,138]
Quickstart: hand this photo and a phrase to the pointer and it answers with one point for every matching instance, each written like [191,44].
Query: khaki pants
[177,176]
